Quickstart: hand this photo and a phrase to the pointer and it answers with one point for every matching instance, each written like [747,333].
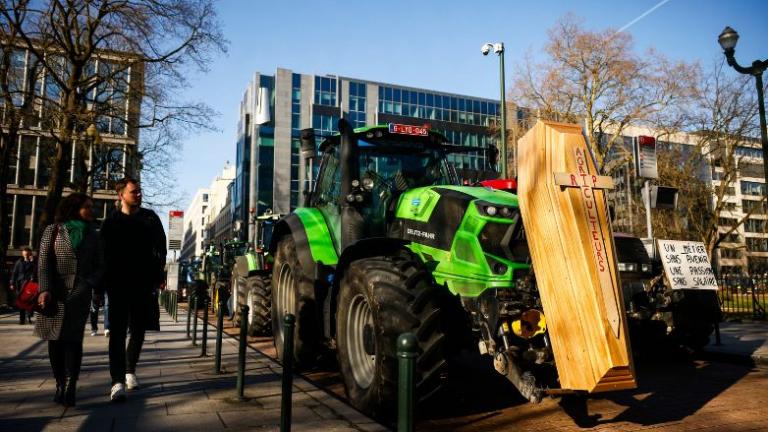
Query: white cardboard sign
[686,264]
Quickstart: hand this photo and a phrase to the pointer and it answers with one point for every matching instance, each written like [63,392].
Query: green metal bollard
[175,303]
[204,350]
[194,322]
[219,331]
[407,351]
[241,354]
[189,312]
[287,395]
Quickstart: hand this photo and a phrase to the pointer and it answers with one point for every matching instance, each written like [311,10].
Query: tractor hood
[463,230]
[447,204]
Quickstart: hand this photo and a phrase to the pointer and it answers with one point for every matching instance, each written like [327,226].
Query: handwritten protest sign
[686,264]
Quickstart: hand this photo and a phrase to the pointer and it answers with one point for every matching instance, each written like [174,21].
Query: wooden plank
[572,251]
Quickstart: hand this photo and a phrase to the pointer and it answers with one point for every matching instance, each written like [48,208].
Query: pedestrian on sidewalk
[134,244]
[71,269]
[24,270]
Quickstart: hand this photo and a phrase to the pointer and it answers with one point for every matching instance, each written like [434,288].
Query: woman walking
[70,269]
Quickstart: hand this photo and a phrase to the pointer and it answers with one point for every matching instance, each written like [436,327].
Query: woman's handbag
[27,299]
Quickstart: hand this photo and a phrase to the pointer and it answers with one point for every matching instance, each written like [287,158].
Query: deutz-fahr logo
[419,233]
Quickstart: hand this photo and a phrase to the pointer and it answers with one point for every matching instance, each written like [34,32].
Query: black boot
[69,392]
[59,396]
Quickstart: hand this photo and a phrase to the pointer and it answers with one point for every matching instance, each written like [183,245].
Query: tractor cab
[384,161]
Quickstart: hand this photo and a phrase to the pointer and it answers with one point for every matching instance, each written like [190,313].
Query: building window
[325,91]
[730,238]
[749,152]
[752,188]
[757,244]
[751,170]
[357,100]
[205,198]
[730,253]
[754,226]
[756,207]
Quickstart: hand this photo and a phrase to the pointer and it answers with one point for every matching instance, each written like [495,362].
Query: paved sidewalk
[746,341]
[178,390]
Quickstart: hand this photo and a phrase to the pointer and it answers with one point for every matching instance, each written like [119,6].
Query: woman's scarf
[76,230]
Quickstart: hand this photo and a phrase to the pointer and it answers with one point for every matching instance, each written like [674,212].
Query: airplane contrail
[661,3]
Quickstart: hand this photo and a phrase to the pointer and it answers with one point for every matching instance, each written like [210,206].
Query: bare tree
[101,56]
[598,79]
[726,120]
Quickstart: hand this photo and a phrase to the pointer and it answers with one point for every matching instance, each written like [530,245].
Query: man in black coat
[134,246]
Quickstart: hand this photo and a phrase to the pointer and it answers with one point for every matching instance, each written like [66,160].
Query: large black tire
[292,292]
[259,301]
[238,284]
[380,299]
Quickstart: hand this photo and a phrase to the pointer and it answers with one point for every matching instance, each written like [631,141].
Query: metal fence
[743,295]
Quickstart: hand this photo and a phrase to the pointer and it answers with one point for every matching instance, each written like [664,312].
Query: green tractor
[220,280]
[388,242]
[251,277]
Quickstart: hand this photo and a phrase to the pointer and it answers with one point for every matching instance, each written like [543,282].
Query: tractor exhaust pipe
[308,154]
[351,219]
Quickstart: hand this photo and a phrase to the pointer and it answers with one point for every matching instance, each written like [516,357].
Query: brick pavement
[178,390]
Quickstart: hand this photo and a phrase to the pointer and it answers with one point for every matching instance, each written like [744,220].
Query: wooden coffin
[563,206]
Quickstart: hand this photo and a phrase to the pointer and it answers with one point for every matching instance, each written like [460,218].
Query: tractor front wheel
[380,299]
[293,293]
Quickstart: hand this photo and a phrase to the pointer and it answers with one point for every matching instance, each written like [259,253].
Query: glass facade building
[298,101]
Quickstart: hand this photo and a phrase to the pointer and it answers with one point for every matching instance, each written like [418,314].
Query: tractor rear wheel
[293,293]
[380,299]
[259,301]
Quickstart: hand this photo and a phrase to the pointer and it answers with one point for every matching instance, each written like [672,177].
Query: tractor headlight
[368,183]
[495,210]
[628,267]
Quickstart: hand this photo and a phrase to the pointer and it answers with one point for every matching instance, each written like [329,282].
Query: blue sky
[430,44]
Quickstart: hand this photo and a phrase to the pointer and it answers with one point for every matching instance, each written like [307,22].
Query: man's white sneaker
[94,333]
[117,393]
[131,382]
[106,333]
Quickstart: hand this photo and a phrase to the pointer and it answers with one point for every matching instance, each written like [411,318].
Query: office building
[207,205]
[276,107]
[111,153]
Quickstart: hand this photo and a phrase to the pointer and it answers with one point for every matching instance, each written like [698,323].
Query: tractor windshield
[398,165]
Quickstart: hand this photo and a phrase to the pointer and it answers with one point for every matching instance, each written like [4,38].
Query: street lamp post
[727,40]
[498,48]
